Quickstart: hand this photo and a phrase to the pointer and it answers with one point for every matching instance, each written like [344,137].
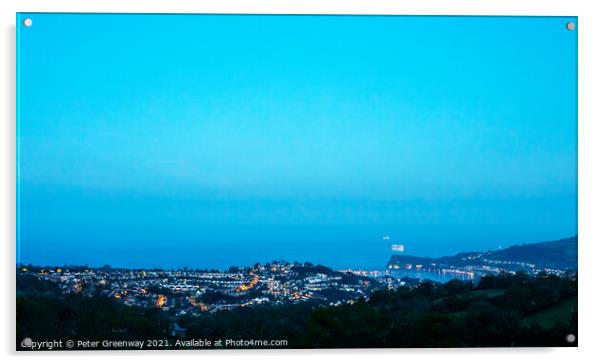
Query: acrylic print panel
[272,181]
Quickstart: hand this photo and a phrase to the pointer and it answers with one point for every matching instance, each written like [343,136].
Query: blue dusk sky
[216,140]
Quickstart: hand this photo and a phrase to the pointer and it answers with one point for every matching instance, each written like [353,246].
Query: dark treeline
[504,310]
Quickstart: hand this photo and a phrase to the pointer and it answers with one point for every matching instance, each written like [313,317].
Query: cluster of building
[182,292]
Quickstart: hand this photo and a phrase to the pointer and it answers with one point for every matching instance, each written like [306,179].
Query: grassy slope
[488,293]
[553,315]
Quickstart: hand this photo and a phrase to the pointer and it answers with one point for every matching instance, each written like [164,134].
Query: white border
[424,7]
[590,150]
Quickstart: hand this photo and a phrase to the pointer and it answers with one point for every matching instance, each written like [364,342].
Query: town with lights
[184,291]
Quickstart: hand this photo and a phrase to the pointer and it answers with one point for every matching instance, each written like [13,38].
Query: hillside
[558,255]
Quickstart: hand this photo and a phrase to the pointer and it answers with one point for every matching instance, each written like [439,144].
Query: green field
[549,317]
[487,293]
[481,293]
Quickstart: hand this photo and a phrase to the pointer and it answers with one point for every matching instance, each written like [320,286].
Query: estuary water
[433,275]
